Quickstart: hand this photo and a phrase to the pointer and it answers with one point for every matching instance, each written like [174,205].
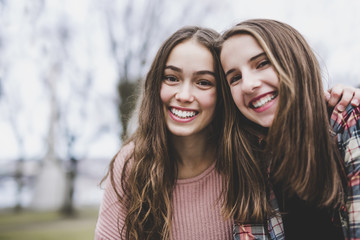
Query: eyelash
[238,77]
[170,78]
[202,83]
[263,63]
[205,83]
[235,78]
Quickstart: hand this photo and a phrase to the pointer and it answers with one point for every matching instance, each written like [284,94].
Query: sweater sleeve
[347,127]
[112,212]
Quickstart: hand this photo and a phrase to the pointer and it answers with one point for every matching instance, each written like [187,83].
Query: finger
[347,96]
[335,95]
[356,99]
[327,95]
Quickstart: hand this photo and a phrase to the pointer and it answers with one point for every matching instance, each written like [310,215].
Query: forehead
[191,53]
[243,40]
[238,46]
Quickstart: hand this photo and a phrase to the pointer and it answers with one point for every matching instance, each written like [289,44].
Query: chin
[266,124]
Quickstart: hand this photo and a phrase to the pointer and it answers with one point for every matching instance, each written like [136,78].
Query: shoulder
[126,150]
[120,161]
[347,122]
[124,155]
[346,127]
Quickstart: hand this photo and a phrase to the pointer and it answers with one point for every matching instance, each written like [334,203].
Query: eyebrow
[176,69]
[202,72]
[257,56]
[250,60]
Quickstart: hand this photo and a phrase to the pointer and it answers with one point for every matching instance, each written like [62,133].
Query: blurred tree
[12,113]
[19,169]
[68,206]
[130,30]
[47,90]
[68,112]
[50,182]
[68,83]
[50,44]
[75,119]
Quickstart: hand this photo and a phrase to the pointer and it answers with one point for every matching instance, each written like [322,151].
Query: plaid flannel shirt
[346,128]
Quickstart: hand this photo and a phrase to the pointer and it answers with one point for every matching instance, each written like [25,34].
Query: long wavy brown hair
[299,153]
[149,174]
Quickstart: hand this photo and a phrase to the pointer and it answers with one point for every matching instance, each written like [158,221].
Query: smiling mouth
[183,113]
[263,100]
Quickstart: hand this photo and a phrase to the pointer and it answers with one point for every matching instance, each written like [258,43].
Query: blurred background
[69,75]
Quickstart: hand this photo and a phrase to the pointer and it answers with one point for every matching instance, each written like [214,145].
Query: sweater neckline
[198,177]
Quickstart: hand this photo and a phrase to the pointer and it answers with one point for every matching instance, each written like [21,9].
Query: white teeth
[182,114]
[261,102]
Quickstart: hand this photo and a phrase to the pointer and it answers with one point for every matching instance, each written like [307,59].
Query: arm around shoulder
[347,127]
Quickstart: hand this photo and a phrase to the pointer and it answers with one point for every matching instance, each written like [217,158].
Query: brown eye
[235,79]
[170,79]
[263,63]
[204,83]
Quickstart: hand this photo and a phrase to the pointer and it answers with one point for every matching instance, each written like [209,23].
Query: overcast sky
[332,28]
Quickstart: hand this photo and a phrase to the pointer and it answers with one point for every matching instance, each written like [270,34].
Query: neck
[254,128]
[196,154]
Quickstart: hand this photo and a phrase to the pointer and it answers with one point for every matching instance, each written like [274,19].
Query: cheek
[237,97]
[209,100]
[274,78]
[165,93]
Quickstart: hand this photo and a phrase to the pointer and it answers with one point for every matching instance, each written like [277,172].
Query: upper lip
[183,109]
[259,97]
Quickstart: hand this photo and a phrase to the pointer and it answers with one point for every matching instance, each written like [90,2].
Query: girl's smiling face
[188,90]
[252,79]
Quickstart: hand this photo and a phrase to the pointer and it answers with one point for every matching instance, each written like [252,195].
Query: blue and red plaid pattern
[346,128]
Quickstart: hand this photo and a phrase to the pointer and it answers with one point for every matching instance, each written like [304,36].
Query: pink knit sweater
[196,209]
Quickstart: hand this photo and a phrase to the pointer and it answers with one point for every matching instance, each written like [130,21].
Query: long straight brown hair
[299,152]
[149,174]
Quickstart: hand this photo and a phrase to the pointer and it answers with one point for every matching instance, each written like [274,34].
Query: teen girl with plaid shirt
[295,174]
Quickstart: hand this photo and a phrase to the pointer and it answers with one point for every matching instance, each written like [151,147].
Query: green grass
[47,225]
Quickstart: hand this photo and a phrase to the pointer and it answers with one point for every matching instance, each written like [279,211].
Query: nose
[250,82]
[184,93]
